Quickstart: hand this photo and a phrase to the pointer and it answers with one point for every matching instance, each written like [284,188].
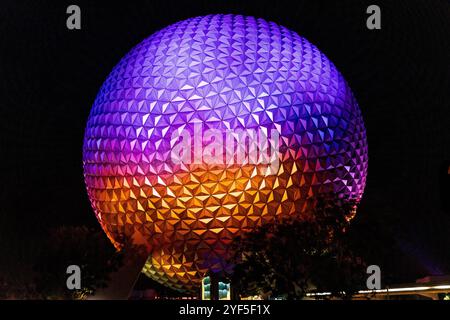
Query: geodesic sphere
[223,72]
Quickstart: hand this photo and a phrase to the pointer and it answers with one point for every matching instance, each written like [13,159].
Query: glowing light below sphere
[224,72]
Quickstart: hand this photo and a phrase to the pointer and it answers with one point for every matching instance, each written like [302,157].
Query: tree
[89,249]
[294,255]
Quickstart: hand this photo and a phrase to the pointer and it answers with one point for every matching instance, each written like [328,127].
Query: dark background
[400,75]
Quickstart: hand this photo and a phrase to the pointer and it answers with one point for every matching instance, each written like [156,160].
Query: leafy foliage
[292,256]
[89,249]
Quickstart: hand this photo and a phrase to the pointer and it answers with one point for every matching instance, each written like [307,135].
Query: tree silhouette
[299,254]
[89,249]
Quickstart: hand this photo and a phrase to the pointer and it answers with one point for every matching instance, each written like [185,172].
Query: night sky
[49,77]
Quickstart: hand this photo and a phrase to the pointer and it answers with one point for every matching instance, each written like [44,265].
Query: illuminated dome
[228,73]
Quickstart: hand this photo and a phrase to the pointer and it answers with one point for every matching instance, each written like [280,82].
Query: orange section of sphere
[188,220]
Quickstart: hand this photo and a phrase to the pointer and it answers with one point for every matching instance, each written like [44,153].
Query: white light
[318,294]
[443,287]
[440,287]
